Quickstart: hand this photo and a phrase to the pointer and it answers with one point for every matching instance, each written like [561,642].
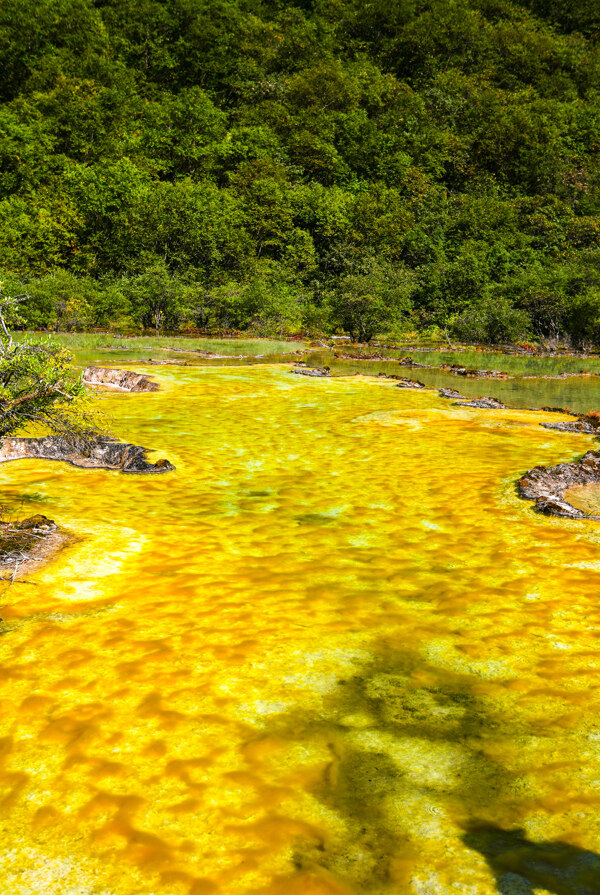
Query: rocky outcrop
[585,423]
[97,453]
[124,380]
[547,485]
[482,404]
[35,523]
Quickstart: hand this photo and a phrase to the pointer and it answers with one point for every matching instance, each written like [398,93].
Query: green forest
[369,168]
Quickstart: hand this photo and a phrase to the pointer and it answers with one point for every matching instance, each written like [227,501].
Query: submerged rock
[563,375]
[547,485]
[126,380]
[167,363]
[211,355]
[97,453]
[482,403]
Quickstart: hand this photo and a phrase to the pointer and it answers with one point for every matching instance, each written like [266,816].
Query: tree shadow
[380,726]
[521,866]
[386,728]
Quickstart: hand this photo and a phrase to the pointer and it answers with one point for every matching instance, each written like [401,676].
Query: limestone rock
[98,453]
[125,380]
[547,485]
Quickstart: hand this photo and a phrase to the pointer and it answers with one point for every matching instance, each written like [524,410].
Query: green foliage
[157,298]
[253,164]
[267,301]
[491,321]
[39,386]
[91,342]
[373,299]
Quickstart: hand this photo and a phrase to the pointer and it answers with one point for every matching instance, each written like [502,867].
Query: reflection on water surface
[308,661]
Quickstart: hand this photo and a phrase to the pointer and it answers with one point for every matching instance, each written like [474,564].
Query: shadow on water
[521,866]
[386,728]
[408,753]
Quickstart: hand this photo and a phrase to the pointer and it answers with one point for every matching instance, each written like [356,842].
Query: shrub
[493,321]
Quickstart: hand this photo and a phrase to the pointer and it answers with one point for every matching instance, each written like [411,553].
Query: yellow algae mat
[332,653]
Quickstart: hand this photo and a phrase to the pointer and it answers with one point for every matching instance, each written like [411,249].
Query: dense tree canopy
[265,164]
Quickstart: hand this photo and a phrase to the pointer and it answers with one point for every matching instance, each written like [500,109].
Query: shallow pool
[332,653]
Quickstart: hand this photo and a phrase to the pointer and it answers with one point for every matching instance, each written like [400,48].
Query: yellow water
[307,659]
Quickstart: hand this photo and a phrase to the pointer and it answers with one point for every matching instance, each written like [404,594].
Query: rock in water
[318,372]
[409,383]
[409,362]
[450,393]
[125,380]
[402,381]
[96,453]
[36,523]
[459,370]
[28,544]
[482,403]
[576,426]
[547,485]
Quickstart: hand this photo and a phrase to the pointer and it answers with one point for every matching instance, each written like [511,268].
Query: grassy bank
[233,347]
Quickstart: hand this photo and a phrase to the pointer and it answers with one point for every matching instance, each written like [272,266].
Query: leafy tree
[493,321]
[259,150]
[375,298]
[268,301]
[157,298]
